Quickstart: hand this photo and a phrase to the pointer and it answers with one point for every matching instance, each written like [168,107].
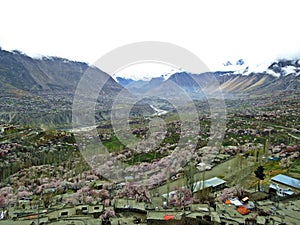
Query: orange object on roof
[168,217]
[227,202]
[242,210]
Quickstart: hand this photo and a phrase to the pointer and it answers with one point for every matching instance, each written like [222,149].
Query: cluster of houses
[233,211]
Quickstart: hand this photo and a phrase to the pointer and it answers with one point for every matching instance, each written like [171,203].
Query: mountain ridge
[281,75]
[21,72]
[41,91]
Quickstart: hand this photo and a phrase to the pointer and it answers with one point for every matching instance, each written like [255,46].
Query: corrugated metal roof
[286,180]
[213,182]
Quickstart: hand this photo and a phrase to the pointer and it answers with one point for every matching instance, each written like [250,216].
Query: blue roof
[286,180]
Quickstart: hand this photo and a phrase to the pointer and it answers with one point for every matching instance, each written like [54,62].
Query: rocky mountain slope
[40,91]
[283,75]
[21,72]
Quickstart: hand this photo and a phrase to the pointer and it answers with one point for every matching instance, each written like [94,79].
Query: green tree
[260,175]
[189,177]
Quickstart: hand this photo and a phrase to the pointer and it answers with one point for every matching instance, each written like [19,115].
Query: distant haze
[146,71]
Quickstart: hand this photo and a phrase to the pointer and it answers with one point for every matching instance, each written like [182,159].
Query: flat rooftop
[286,180]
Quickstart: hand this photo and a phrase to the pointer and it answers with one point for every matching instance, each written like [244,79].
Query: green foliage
[113,144]
[34,147]
[93,185]
[144,157]
[189,176]
[295,168]
[259,173]
[70,191]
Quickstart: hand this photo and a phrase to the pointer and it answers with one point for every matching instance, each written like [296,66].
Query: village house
[284,185]
[212,184]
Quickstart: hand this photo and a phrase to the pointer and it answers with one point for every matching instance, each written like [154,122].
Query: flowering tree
[180,198]
[89,199]
[7,196]
[108,213]
[138,192]
[71,201]
[285,162]
[82,194]
[3,203]
[232,192]
[104,196]
[24,193]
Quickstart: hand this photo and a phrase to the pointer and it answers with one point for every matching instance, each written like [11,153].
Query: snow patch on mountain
[260,68]
[278,68]
[290,70]
[241,67]
[272,72]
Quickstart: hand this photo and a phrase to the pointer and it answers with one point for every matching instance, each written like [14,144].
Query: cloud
[146,70]
[216,31]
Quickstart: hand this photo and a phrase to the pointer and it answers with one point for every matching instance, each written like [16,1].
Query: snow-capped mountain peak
[282,67]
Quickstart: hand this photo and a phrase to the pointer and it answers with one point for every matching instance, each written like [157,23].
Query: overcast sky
[216,31]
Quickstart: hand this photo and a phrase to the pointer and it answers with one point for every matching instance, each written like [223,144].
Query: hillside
[40,91]
[21,72]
